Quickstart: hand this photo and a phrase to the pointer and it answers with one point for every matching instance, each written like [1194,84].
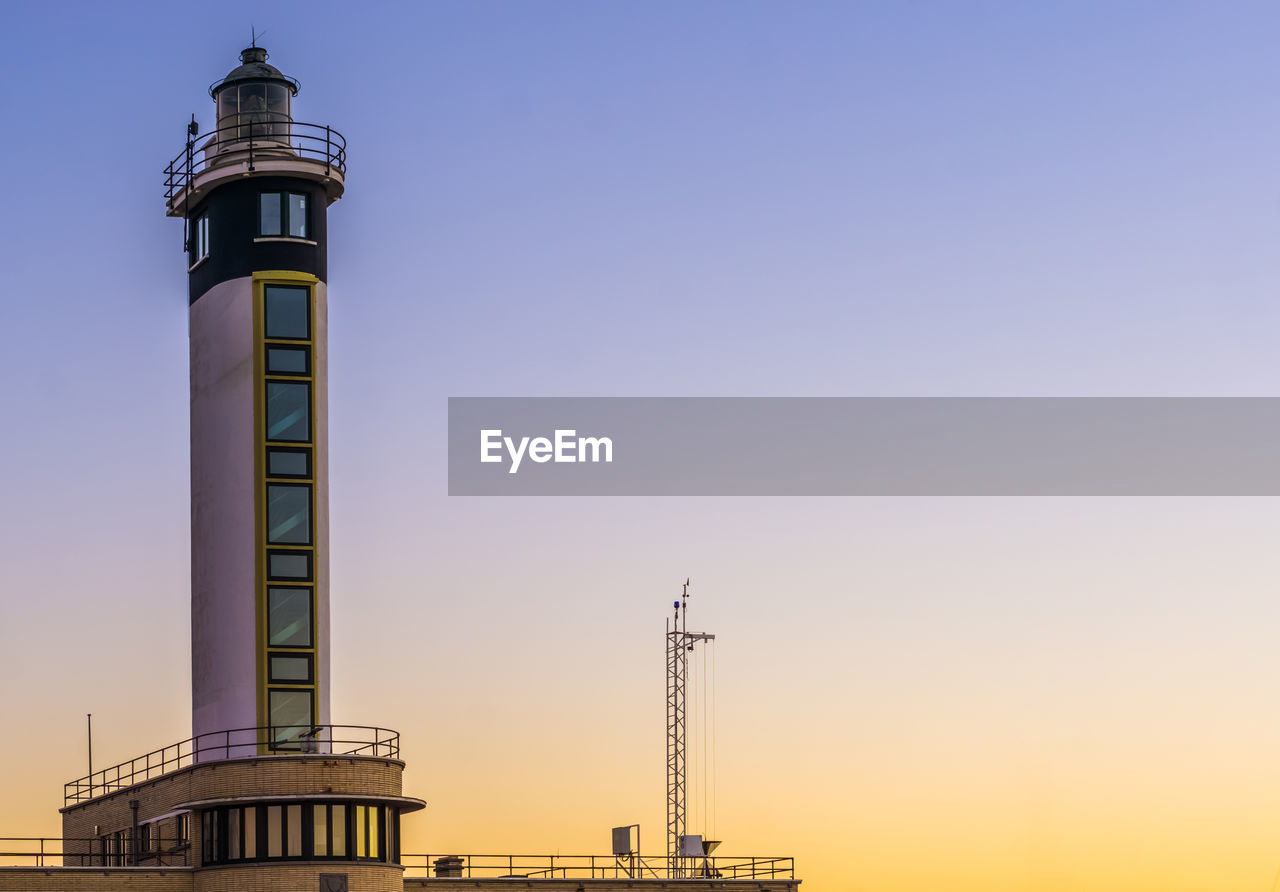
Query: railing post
[328,152]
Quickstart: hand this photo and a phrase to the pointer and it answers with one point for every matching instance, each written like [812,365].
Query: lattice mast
[680,642]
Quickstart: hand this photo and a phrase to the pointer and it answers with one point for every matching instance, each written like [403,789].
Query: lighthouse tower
[254,193]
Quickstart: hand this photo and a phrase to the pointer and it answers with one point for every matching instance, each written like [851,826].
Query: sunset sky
[686,199]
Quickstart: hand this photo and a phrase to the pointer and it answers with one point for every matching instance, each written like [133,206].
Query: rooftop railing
[119,850]
[251,138]
[599,867]
[111,850]
[338,740]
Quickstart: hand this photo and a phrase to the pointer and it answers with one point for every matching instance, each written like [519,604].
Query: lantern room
[254,100]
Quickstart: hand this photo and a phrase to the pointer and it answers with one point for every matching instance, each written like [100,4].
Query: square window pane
[287,311]
[289,565]
[290,713]
[288,411]
[290,669]
[289,514]
[288,463]
[288,361]
[269,214]
[297,215]
[289,616]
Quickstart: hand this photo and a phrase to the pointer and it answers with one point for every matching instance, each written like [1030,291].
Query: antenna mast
[680,641]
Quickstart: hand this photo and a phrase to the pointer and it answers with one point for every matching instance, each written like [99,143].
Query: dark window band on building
[336,831]
[236,245]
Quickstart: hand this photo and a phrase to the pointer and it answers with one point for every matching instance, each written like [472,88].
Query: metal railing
[112,850]
[251,138]
[598,867]
[338,740]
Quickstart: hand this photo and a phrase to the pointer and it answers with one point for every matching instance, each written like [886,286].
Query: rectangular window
[233,834]
[286,462]
[320,830]
[288,312]
[209,836]
[297,212]
[289,616]
[275,831]
[293,823]
[289,565]
[288,411]
[290,669]
[375,831]
[283,214]
[339,825]
[290,713]
[269,214]
[288,514]
[362,831]
[288,360]
[181,829]
[200,238]
[251,832]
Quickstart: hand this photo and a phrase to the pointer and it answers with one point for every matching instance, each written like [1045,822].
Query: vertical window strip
[289,506]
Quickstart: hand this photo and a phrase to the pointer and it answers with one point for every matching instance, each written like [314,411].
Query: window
[286,462]
[290,712]
[182,829]
[283,214]
[290,669]
[293,831]
[288,312]
[210,851]
[289,616]
[280,831]
[288,360]
[369,832]
[288,411]
[339,826]
[269,214]
[234,839]
[320,830]
[200,238]
[289,565]
[289,514]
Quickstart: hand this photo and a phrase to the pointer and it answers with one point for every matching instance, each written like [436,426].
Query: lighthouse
[254,193]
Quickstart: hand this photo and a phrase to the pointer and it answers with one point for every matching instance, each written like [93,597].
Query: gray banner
[713,446]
